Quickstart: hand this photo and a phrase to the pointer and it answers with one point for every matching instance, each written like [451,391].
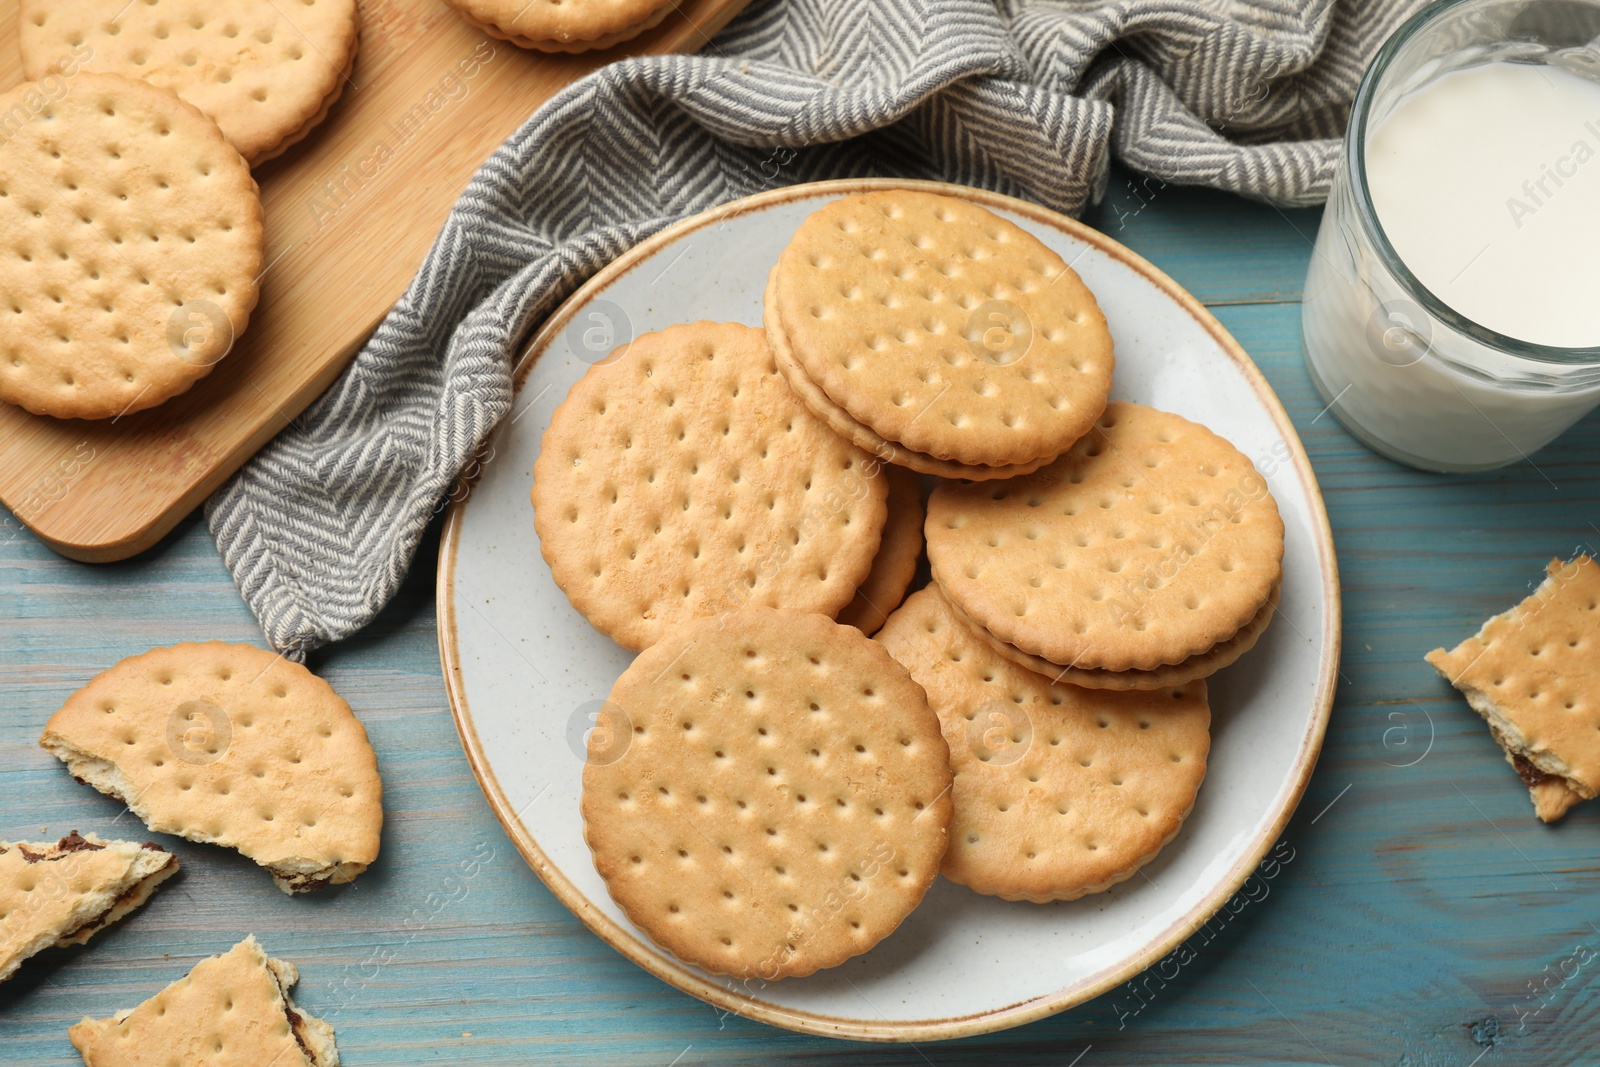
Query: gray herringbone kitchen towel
[1030,98]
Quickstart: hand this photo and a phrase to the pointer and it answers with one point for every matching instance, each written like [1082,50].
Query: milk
[1486,183]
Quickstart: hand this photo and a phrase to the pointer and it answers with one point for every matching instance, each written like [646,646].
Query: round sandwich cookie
[130,245]
[896,562]
[1059,791]
[563,25]
[235,746]
[1151,541]
[775,797]
[681,478]
[942,328]
[1200,665]
[265,72]
[842,424]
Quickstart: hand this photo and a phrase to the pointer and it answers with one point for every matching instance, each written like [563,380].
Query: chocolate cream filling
[296,1022]
[72,843]
[1531,775]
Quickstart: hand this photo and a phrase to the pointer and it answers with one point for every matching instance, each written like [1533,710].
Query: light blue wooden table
[1423,917]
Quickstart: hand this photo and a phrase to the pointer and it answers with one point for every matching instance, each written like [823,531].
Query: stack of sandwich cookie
[563,25]
[937,335]
[1148,556]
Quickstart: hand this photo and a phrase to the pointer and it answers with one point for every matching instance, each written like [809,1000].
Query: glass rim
[1355,147]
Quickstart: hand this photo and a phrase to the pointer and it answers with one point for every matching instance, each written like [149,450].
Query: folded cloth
[1029,98]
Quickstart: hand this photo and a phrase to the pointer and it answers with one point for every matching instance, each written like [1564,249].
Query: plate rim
[637,948]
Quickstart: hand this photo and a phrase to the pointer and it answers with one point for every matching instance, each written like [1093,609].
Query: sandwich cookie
[234,746]
[776,798]
[1533,673]
[958,340]
[680,478]
[265,72]
[895,565]
[1150,543]
[232,1008]
[131,247]
[1059,791]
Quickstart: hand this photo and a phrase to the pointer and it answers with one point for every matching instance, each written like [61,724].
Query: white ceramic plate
[525,671]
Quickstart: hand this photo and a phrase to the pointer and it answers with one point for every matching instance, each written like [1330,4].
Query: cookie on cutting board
[130,247]
[266,72]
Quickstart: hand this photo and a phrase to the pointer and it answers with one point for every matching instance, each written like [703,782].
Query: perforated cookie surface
[1059,791]
[864,437]
[782,802]
[1534,673]
[230,1011]
[261,69]
[896,562]
[1152,540]
[544,23]
[130,243]
[232,745]
[681,478]
[944,328]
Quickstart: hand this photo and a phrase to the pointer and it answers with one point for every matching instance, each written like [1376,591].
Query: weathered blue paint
[1418,913]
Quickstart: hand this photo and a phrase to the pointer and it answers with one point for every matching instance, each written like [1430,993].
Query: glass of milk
[1452,308]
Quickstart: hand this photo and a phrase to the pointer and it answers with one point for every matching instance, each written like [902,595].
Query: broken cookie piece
[237,1002]
[63,894]
[235,746]
[1533,673]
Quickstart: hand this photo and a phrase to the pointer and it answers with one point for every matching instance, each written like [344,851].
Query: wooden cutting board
[344,237]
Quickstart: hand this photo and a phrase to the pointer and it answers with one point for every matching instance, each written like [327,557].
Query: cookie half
[64,893]
[265,72]
[232,1008]
[1151,541]
[782,799]
[895,565]
[1533,673]
[942,328]
[130,245]
[680,478]
[234,746]
[563,25]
